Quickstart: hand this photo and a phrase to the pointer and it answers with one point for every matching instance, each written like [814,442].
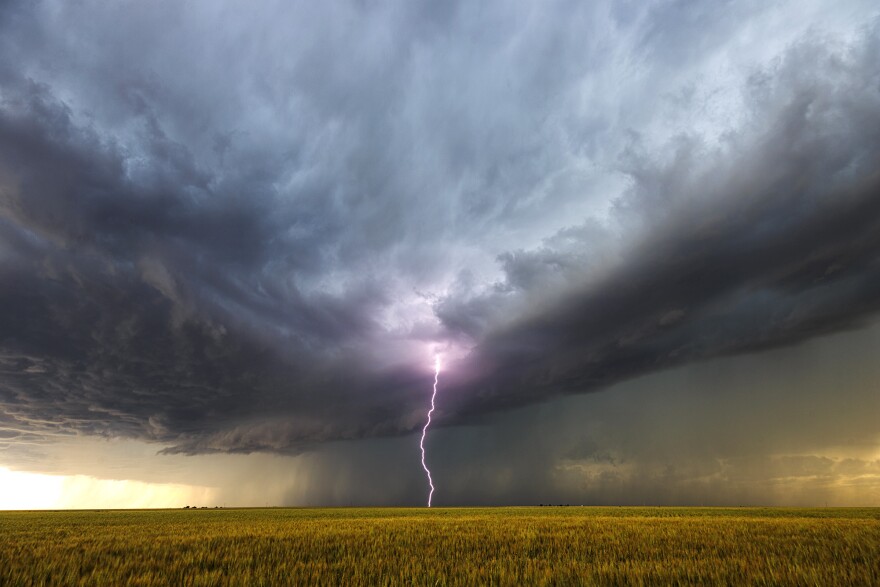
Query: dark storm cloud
[147,309]
[767,240]
[213,227]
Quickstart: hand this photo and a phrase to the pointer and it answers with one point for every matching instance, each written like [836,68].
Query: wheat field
[454,546]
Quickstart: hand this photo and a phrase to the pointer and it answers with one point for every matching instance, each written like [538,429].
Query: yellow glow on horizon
[35,491]
[29,491]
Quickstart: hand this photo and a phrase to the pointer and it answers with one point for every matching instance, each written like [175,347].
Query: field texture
[500,546]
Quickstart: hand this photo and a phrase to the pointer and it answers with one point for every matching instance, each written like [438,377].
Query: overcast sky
[644,238]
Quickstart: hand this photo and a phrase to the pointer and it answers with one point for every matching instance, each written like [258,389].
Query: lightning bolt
[428,423]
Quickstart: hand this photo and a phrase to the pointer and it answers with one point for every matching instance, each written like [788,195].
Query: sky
[643,237]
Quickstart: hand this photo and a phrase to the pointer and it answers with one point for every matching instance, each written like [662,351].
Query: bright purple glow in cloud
[428,423]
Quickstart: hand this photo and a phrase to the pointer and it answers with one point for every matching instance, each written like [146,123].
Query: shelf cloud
[230,229]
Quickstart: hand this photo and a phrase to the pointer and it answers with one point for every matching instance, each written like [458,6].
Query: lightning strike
[428,423]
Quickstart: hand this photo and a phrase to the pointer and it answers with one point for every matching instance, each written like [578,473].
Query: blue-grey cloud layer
[236,230]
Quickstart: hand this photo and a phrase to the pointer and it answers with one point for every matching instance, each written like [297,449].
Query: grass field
[505,546]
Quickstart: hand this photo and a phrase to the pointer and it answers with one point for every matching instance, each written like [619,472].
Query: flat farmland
[442,546]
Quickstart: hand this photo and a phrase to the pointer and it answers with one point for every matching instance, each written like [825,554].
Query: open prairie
[460,546]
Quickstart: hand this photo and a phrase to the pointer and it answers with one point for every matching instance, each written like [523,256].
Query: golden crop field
[467,546]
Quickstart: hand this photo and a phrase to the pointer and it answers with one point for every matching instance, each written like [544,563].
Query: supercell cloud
[236,229]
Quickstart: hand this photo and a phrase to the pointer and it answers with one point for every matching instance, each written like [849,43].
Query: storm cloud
[234,230]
